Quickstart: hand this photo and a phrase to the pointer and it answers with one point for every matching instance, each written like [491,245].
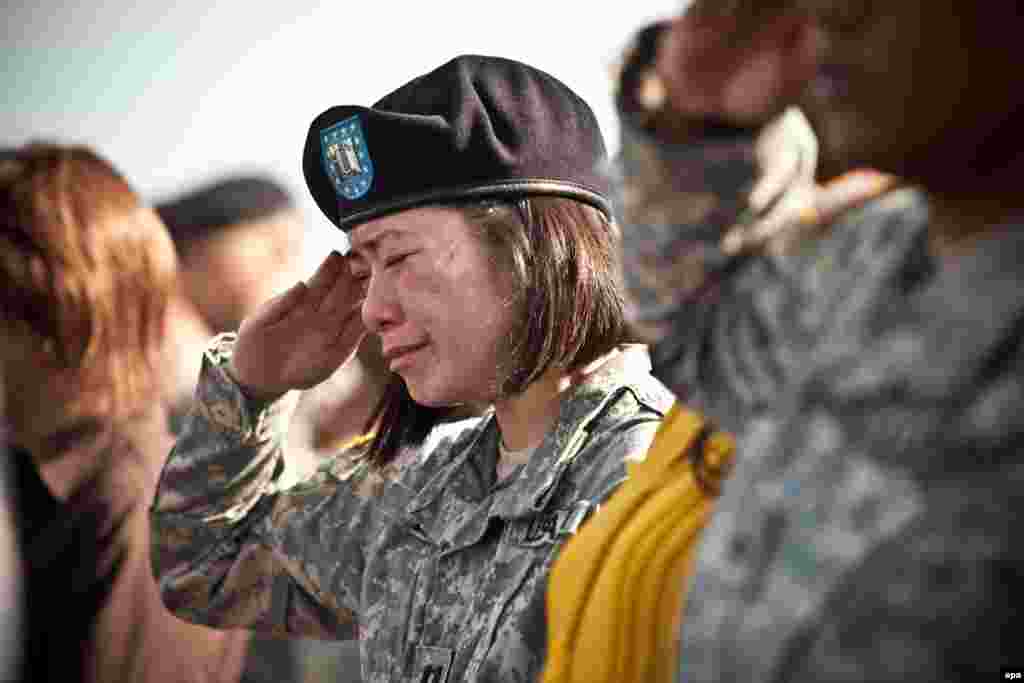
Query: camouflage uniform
[435,567]
[877,395]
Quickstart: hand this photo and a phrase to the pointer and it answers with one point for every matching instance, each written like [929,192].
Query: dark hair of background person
[561,254]
[222,204]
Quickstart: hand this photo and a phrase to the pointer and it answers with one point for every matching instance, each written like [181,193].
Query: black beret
[474,127]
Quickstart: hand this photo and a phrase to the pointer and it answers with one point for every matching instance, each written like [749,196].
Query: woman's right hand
[299,338]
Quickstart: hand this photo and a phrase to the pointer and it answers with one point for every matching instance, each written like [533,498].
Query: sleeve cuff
[224,403]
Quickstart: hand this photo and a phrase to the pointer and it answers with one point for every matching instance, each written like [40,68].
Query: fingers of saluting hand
[345,295]
[324,278]
[281,306]
[349,336]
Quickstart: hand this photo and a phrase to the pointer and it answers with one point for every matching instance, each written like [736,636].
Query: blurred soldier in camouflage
[873,377]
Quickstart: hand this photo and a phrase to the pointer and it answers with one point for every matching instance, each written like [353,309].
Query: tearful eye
[397,259]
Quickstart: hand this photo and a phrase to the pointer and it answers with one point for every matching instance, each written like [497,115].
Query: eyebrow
[373,243]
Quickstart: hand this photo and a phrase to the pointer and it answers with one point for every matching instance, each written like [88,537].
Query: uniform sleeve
[716,307]
[230,549]
[624,434]
[936,602]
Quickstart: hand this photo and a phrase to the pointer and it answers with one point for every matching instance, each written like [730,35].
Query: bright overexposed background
[178,93]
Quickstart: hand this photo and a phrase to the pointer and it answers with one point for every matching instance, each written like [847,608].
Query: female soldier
[489,279]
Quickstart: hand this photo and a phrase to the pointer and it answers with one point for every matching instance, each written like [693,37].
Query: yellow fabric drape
[616,591]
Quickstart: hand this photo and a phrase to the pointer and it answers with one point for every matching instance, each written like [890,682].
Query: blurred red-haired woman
[85,273]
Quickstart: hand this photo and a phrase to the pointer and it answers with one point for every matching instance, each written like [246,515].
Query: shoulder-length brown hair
[85,269]
[561,256]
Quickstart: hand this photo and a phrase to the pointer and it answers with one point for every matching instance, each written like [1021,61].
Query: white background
[175,94]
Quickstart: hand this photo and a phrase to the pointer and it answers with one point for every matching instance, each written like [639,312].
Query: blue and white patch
[346,158]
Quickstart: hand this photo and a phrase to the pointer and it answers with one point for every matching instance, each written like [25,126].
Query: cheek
[245,265]
[466,317]
[49,401]
[485,347]
[22,429]
[29,407]
[212,280]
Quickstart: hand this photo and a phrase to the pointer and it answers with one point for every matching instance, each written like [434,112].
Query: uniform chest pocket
[513,642]
[401,564]
[433,664]
[549,527]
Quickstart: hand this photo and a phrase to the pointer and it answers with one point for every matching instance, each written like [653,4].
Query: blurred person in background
[85,273]
[873,377]
[618,586]
[186,334]
[239,242]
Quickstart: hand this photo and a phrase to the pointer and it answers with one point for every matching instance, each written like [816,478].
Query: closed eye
[397,259]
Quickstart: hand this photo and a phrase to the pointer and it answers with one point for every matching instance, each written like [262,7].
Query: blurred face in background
[903,84]
[53,411]
[232,271]
[86,271]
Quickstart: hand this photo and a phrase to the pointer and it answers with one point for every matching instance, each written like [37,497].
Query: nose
[381,310]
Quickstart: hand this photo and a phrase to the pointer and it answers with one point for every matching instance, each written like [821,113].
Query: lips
[394,355]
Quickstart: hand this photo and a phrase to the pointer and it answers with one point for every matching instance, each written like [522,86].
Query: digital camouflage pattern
[438,570]
[868,531]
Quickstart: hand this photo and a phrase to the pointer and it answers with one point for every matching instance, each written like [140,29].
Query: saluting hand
[298,339]
[742,61]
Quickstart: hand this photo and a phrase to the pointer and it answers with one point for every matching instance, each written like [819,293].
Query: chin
[442,395]
[430,402]
[425,395]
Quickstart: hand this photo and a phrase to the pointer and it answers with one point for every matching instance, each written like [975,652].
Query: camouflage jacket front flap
[430,562]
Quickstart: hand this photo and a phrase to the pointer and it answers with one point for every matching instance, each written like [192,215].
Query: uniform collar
[533,487]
